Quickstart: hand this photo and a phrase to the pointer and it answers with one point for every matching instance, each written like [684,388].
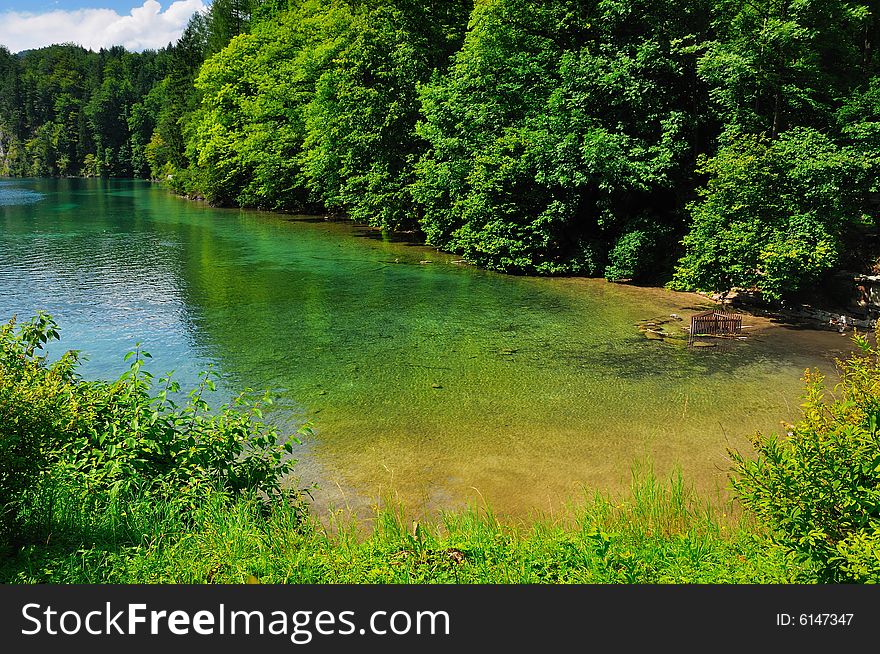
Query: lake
[425,380]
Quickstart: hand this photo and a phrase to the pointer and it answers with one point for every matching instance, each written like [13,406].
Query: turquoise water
[423,378]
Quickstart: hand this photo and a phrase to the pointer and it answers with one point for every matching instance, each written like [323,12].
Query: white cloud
[145,27]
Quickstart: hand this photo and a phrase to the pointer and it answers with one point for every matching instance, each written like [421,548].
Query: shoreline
[801,315]
[805,315]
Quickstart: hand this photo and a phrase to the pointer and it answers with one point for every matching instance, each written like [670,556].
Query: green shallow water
[423,378]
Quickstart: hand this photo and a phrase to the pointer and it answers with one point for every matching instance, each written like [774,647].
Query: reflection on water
[13,194]
[439,382]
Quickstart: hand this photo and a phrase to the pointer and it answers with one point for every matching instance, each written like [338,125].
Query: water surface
[422,377]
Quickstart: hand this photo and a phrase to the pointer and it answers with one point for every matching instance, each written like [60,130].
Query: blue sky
[40,6]
[135,24]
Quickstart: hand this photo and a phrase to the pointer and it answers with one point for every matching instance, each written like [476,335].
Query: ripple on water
[12,195]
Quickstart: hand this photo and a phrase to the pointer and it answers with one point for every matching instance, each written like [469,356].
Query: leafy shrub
[636,253]
[775,214]
[818,488]
[32,402]
[129,435]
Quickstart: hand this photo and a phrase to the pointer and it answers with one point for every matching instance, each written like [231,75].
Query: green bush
[126,436]
[33,399]
[775,215]
[636,253]
[818,487]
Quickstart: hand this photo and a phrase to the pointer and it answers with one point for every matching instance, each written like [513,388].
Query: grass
[660,533]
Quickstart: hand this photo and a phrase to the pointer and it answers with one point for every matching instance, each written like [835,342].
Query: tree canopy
[713,143]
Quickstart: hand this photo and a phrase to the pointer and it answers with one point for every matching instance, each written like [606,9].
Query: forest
[705,144]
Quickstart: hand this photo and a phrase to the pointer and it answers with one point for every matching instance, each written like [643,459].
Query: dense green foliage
[776,214]
[125,437]
[819,486]
[30,394]
[789,188]
[562,129]
[318,107]
[720,144]
[66,111]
